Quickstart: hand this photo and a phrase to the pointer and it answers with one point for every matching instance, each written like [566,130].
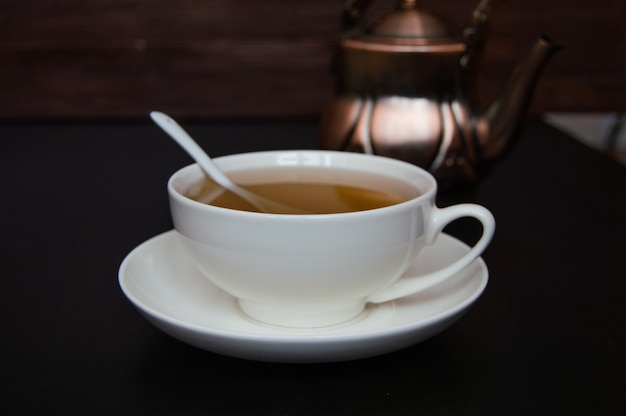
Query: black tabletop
[546,337]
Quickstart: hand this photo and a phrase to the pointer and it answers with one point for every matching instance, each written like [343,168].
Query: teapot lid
[408,28]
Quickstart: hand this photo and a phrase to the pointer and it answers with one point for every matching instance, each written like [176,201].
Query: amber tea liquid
[318,191]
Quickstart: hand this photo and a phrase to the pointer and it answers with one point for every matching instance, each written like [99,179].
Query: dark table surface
[546,337]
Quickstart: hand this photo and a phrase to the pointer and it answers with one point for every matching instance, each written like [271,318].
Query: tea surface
[315,192]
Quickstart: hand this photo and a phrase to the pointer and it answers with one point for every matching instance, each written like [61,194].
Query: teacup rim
[428,194]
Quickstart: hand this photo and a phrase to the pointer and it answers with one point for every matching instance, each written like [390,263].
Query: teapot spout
[496,128]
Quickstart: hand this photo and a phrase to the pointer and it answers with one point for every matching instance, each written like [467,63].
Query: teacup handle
[439,218]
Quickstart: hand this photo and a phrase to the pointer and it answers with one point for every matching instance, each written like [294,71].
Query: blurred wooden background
[104,59]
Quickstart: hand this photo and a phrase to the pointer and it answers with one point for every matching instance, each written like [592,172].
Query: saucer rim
[306,336]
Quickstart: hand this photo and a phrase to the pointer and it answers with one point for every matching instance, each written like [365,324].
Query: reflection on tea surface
[312,191]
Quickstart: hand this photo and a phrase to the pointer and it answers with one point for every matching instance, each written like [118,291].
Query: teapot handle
[482,11]
[352,13]
[480,17]
[475,35]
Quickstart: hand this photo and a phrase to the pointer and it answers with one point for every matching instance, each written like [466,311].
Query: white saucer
[160,280]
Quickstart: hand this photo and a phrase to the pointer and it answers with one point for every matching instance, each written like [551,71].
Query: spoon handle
[205,162]
[171,127]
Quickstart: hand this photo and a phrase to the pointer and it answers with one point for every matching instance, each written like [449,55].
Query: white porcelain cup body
[317,270]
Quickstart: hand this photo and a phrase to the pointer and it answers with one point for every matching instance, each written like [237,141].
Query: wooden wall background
[103,59]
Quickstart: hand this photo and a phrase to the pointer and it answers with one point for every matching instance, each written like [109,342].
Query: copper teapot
[404,90]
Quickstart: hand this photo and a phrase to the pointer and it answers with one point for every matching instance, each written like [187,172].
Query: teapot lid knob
[408,20]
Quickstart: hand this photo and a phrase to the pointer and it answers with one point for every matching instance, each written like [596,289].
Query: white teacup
[317,270]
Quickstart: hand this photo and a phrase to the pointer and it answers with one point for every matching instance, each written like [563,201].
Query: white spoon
[171,127]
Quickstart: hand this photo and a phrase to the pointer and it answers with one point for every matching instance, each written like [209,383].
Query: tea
[318,191]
